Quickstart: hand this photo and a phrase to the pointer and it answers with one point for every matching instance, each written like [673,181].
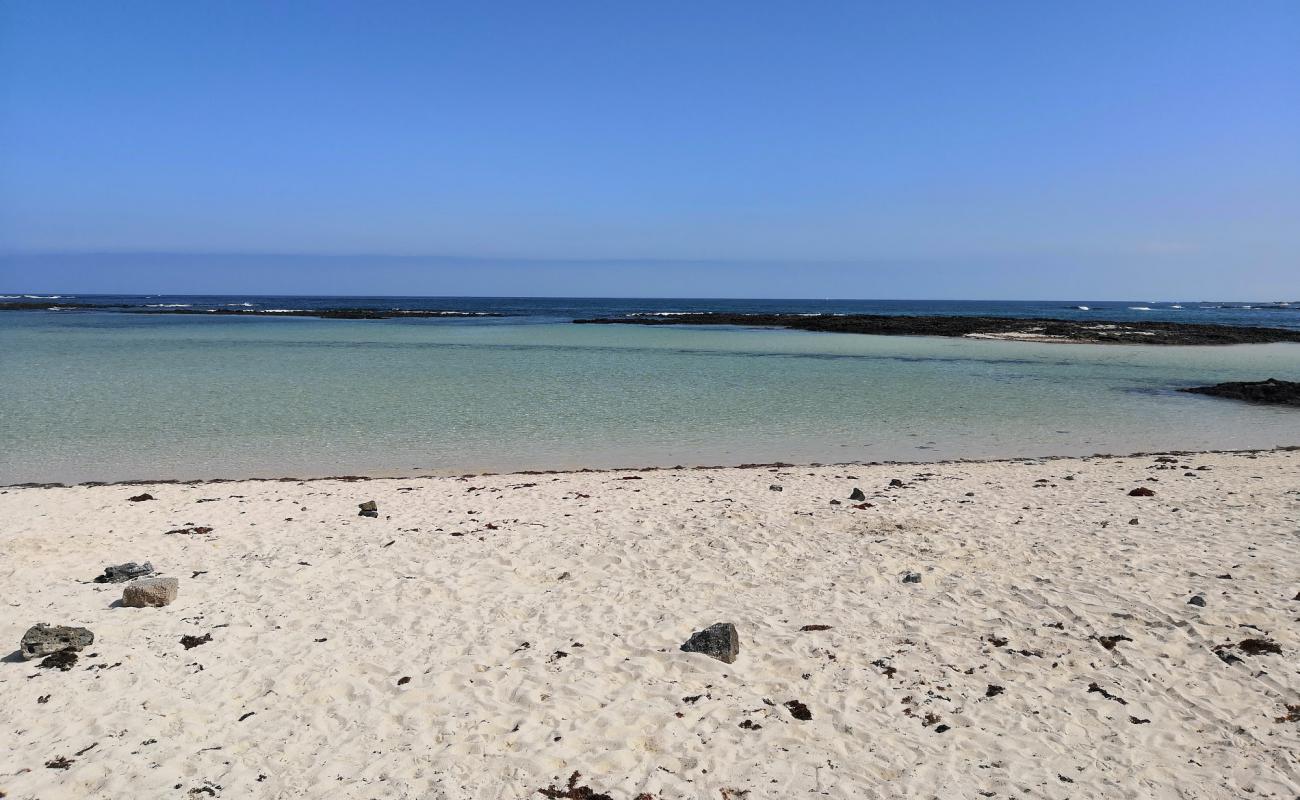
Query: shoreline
[451,473]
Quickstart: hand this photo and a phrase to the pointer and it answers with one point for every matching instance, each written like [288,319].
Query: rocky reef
[1008,328]
[1267,392]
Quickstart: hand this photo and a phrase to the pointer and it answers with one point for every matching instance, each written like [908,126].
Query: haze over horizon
[360,276]
[941,151]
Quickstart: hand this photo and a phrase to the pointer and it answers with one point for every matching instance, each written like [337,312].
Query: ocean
[99,395]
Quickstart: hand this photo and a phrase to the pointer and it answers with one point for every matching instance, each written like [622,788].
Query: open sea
[100,395]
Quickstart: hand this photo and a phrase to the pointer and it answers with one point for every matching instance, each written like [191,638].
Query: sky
[858,149]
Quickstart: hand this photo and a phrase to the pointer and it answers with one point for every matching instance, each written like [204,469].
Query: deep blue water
[532,309]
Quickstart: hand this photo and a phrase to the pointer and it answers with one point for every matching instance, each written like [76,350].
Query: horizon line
[51,294]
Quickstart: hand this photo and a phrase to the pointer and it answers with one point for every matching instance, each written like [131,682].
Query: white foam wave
[665,313]
[442,313]
[1139,308]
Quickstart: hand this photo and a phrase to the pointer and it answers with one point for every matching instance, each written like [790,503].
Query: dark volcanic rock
[197,530]
[24,305]
[1142,491]
[1256,647]
[140,498]
[1271,391]
[720,641]
[63,660]
[1109,642]
[369,509]
[798,710]
[858,496]
[191,642]
[43,640]
[1096,331]
[122,573]
[573,791]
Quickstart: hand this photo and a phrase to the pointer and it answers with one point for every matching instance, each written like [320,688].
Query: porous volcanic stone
[121,573]
[43,640]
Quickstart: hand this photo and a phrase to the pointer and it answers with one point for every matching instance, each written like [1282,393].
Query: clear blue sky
[922,149]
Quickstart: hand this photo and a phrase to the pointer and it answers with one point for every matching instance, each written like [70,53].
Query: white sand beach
[487,637]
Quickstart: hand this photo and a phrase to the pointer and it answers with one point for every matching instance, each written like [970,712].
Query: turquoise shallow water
[111,397]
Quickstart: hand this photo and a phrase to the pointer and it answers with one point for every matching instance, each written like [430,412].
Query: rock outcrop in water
[320,313]
[1271,391]
[1010,328]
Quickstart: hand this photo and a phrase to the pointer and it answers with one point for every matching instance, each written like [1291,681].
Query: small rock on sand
[369,509]
[911,577]
[63,660]
[190,642]
[1142,491]
[122,573]
[150,592]
[1197,600]
[720,641]
[43,640]
[140,498]
[858,495]
[798,710]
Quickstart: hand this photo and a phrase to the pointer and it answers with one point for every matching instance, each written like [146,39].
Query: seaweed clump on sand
[572,791]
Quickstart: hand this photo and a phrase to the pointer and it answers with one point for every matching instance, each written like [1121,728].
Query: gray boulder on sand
[43,640]
[369,509]
[125,572]
[720,641]
[150,592]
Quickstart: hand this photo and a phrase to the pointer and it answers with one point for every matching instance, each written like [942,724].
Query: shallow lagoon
[101,396]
